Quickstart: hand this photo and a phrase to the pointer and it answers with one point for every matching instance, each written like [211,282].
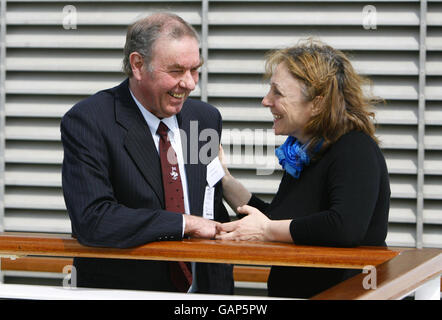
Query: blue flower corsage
[293,156]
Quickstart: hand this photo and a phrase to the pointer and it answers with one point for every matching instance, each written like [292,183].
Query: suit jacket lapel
[195,172]
[138,142]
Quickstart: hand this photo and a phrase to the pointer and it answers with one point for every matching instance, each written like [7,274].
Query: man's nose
[188,82]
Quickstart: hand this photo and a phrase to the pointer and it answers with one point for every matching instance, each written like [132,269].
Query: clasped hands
[251,227]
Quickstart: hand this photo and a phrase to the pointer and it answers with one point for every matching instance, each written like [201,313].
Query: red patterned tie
[180,272]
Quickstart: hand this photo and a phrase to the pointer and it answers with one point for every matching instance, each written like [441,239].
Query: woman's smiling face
[287,103]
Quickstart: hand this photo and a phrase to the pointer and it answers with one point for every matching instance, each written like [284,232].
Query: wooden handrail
[399,270]
[235,252]
[394,278]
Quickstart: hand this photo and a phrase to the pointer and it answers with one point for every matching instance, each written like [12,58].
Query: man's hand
[197,227]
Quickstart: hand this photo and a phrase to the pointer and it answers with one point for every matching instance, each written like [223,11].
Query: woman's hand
[222,159]
[251,227]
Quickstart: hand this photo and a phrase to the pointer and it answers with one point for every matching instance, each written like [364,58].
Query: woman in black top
[335,189]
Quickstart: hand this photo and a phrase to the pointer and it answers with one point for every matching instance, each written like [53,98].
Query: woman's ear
[316,105]
[136,63]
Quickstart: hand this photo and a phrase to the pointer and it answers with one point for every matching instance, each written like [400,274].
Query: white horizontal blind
[49,68]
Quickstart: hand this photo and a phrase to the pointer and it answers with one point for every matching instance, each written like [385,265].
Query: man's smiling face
[172,74]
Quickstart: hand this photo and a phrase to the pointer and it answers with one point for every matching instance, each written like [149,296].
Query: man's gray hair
[142,34]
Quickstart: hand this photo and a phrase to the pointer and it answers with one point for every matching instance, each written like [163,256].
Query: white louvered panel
[432,236]
[433,40]
[433,113]
[433,65]
[237,86]
[402,211]
[49,83]
[75,84]
[301,14]
[57,37]
[100,37]
[380,63]
[247,136]
[32,175]
[433,87]
[38,106]
[433,138]
[434,13]
[432,212]
[393,112]
[246,85]
[22,220]
[61,60]
[395,88]
[403,186]
[433,163]
[405,38]
[432,187]
[258,184]
[30,129]
[397,137]
[366,63]
[401,161]
[34,198]
[34,152]
[96,14]
[248,158]
[396,112]
[236,61]
[402,235]
[244,112]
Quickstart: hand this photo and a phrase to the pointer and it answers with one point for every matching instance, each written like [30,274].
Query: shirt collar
[153,121]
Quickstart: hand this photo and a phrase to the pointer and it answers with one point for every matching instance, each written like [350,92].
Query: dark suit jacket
[113,190]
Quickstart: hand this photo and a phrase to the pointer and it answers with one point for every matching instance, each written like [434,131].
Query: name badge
[209,197]
[215,172]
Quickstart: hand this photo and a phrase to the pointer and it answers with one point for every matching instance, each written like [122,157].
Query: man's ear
[136,63]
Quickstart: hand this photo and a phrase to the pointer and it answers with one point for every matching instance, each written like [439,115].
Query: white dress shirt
[175,140]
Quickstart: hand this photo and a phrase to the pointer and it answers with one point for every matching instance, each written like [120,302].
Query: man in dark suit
[112,171]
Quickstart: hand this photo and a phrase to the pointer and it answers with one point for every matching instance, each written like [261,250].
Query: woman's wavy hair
[330,81]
